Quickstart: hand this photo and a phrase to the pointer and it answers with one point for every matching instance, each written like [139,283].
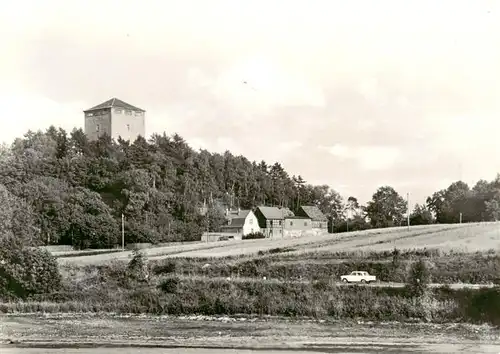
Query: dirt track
[372,347]
[151,335]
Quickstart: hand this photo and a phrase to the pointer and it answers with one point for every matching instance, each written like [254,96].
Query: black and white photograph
[250,177]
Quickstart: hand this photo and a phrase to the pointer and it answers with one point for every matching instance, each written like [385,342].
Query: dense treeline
[59,188]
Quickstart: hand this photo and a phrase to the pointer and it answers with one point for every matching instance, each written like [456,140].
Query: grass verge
[112,289]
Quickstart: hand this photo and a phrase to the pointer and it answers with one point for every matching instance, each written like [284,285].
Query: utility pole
[408,210]
[283,224]
[123,232]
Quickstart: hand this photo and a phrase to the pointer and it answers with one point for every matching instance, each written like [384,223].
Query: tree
[17,219]
[215,219]
[458,199]
[421,216]
[492,210]
[386,208]
[299,184]
[352,207]
[26,271]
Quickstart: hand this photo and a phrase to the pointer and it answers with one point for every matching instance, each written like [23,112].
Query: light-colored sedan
[358,277]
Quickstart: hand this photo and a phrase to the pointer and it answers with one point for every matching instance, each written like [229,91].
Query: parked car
[358,277]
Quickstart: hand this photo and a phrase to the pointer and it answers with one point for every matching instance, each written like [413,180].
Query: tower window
[128,127]
[97,127]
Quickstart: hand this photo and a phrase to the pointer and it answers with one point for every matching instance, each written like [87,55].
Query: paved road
[376,284]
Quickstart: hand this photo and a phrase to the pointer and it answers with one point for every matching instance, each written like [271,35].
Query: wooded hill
[59,188]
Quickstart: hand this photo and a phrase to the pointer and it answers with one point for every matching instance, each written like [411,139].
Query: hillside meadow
[287,277]
[459,237]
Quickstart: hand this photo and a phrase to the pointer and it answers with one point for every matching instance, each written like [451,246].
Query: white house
[240,222]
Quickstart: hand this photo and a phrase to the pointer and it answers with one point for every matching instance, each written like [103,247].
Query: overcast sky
[354,94]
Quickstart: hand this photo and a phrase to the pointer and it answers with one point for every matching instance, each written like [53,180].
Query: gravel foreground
[99,334]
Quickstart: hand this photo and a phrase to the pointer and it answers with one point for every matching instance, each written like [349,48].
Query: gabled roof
[237,219]
[114,102]
[234,214]
[237,222]
[274,213]
[314,213]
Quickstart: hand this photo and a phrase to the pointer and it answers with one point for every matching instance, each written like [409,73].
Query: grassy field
[290,277]
[301,285]
[459,237]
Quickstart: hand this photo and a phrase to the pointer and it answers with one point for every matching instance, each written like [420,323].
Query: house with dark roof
[115,118]
[319,220]
[240,223]
[272,220]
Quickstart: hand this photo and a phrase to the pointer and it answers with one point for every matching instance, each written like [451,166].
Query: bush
[281,250]
[167,267]
[419,278]
[25,272]
[137,267]
[169,285]
[253,236]
[484,306]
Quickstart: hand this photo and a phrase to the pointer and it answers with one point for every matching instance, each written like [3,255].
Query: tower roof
[114,102]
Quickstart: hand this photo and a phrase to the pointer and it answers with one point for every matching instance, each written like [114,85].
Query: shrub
[396,258]
[253,236]
[280,250]
[137,267]
[484,306]
[419,278]
[166,267]
[169,285]
[25,272]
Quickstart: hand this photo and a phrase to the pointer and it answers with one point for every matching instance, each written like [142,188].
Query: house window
[128,127]
[97,127]
[305,223]
[138,113]
[128,113]
[90,114]
[291,223]
[279,223]
[251,221]
[119,111]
